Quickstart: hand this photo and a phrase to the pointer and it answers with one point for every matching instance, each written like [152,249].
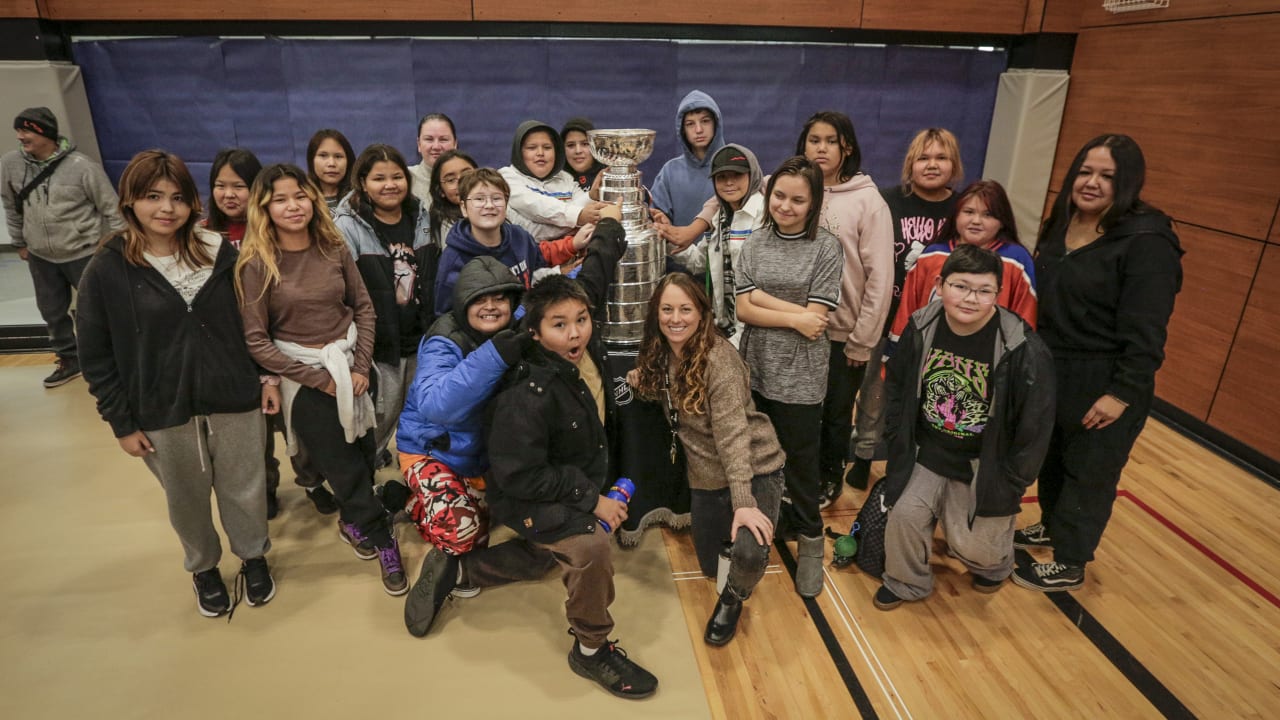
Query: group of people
[456,309]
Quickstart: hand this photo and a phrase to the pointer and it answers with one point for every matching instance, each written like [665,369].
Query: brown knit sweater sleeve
[729,401]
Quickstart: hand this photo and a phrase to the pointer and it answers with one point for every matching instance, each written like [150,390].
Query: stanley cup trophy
[644,261]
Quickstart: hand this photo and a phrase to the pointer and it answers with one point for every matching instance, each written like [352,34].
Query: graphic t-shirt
[955,399]
[917,223]
[398,240]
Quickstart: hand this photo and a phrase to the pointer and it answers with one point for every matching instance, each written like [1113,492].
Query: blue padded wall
[194,96]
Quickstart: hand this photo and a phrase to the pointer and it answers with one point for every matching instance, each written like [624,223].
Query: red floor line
[1239,574]
[1204,550]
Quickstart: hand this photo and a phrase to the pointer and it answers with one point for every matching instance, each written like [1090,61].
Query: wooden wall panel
[1275,226]
[1250,389]
[1095,16]
[19,9]
[1208,127]
[1216,274]
[1035,16]
[258,10]
[1063,16]
[797,13]
[978,16]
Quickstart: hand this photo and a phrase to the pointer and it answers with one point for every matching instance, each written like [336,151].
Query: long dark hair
[689,381]
[848,140]
[992,194]
[313,146]
[1126,184]
[443,211]
[243,163]
[371,156]
[801,167]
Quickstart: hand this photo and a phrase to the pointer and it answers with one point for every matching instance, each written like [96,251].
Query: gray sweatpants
[222,453]
[869,425]
[986,549]
[393,384]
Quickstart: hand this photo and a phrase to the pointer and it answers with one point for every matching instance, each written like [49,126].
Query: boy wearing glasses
[966,398]
[484,231]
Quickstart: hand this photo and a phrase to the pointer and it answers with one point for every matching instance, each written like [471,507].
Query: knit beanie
[39,120]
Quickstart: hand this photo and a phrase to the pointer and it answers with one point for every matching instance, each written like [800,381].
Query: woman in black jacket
[1108,267]
[162,348]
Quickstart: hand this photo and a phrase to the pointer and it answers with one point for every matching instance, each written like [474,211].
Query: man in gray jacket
[59,204]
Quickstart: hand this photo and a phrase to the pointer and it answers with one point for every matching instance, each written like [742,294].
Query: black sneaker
[859,473]
[437,579]
[617,673]
[351,535]
[983,585]
[323,500]
[259,586]
[1032,536]
[66,371]
[885,599]
[212,599]
[273,505]
[1050,577]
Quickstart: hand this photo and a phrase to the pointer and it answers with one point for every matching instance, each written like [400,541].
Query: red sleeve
[558,252]
[1017,295]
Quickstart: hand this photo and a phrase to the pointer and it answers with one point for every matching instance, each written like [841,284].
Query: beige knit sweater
[730,442]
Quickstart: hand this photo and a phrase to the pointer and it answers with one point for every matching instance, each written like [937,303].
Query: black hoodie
[151,361]
[1112,298]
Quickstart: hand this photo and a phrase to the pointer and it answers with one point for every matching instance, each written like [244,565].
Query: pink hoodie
[855,213]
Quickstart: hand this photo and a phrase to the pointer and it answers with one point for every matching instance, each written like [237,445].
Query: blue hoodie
[518,251]
[684,183]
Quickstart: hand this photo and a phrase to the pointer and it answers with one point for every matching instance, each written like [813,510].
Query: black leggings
[837,414]
[798,428]
[347,466]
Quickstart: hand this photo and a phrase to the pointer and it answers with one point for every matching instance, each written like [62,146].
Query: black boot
[724,619]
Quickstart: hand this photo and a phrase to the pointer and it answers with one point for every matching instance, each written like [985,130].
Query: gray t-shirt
[786,366]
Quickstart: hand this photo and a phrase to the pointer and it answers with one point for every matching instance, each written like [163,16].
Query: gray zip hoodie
[71,210]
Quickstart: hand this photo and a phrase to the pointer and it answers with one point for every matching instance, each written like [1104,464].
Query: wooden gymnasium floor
[1180,616]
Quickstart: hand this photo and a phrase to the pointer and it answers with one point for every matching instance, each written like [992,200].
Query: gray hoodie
[69,212]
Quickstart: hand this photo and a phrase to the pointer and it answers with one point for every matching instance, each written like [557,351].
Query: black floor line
[1134,671]
[851,682]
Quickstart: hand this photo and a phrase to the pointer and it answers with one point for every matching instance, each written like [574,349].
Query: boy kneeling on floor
[549,458]
[969,398]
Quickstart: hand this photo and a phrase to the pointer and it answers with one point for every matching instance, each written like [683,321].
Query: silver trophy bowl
[644,260]
[620,148]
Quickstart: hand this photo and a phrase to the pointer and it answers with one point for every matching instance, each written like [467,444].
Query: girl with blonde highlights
[308,319]
[734,458]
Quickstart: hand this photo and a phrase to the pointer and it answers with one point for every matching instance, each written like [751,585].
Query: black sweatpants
[798,428]
[347,466]
[837,414]
[1082,468]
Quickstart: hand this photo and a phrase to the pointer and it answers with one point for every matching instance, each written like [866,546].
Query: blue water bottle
[622,490]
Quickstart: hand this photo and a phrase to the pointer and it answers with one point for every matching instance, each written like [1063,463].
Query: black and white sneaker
[212,599]
[1035,535]
[1050,577]
[886,599]
[259,586]
[613,670]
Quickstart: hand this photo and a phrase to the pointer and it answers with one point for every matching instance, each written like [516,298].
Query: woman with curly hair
[734,459]
[309,320]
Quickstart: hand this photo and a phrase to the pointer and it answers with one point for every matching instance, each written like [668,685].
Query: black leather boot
[724,619]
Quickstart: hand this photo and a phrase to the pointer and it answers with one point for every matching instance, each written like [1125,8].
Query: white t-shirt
[184,278]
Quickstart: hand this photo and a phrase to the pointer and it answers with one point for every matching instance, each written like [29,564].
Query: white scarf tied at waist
[355,413]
